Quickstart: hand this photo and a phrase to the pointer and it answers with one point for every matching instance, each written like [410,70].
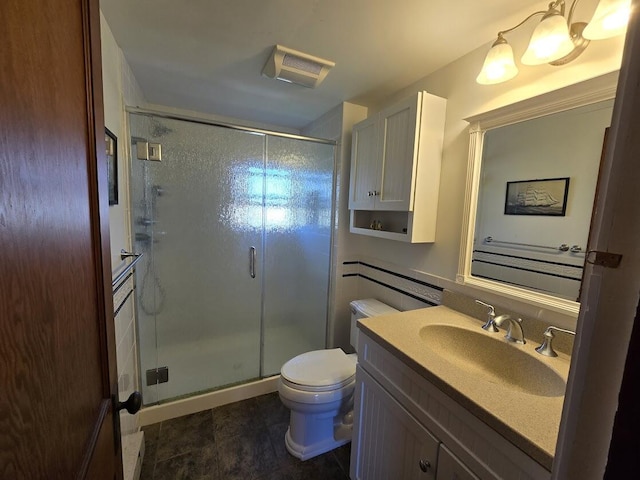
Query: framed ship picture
[537,197]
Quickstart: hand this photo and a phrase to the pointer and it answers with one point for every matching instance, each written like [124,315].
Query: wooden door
[57,352]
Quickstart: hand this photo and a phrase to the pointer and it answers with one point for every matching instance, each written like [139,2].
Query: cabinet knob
[425,465]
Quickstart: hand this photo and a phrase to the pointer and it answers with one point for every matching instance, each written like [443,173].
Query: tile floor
[243,440]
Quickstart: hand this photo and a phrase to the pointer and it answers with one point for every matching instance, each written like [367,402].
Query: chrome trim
[124,254]
[490,325]
[252,262]
[546,348]
[514,330]
[216,123]
[563,248]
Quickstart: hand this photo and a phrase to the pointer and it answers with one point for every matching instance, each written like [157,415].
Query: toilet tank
[369,307]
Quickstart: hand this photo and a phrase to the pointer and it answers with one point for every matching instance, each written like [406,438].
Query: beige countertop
[527,420]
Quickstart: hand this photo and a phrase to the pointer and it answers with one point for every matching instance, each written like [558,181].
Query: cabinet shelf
[390,225]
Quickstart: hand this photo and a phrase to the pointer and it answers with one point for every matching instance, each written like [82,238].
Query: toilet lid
[320,368]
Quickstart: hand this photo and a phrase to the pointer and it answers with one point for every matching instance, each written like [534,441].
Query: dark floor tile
[246,457]
[343,457]
[276,434]
[272,410]
[150,442]
[322,467]
[239,418]
[183,434]
[146,472]
[197,464]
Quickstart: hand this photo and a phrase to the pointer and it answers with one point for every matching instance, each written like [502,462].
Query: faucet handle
[490,325]
[546,348]
[491,310]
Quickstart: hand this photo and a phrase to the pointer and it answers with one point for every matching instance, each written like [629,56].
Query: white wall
[119,89]
[456,82]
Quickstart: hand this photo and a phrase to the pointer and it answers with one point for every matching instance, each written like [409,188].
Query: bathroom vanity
[437,397]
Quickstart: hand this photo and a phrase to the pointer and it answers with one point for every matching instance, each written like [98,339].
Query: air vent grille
[301,64]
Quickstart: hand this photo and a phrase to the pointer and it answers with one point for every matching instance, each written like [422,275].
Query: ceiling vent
[296,67]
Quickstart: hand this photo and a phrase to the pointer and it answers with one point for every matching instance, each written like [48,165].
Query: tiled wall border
[427,293]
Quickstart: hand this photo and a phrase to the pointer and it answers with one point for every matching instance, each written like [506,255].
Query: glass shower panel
[196,216]
[297,251]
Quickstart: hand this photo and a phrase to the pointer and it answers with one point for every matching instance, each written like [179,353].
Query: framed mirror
[531,183]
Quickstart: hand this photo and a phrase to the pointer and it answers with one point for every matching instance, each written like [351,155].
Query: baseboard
[132,455]
[198,403]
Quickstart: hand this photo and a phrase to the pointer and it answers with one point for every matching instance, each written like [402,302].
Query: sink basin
[494,359]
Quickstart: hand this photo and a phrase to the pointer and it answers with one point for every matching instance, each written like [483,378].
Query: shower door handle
[252,262]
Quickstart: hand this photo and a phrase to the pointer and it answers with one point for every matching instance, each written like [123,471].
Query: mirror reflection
[537,186]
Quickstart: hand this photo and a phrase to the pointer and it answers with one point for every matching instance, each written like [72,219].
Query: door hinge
[157,375]
[603,259]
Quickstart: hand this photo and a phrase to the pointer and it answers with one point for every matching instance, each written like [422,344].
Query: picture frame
[546,197]
[111,145]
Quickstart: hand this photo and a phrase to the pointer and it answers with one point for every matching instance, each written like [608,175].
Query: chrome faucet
[514,332]
[546,349]
[490,325]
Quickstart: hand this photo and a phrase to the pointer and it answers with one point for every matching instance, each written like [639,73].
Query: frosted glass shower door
[197,215]
[297,255]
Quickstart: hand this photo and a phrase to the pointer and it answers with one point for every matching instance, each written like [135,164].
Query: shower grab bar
[252,262]
[563,248]
[124,254]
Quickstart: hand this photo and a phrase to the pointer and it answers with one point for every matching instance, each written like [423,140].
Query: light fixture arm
[558,4]
[502,32]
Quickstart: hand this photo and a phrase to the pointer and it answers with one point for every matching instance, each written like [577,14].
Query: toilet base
[342,436]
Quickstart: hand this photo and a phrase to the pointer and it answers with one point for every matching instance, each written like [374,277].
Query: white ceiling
[207,55]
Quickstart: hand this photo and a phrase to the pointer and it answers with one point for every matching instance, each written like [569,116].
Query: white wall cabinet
[405,427]
[395,170]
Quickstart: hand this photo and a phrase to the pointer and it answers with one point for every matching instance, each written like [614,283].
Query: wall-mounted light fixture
[555,39]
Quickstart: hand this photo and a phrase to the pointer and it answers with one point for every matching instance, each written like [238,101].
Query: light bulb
[499,65]
[609,19]
[550,41]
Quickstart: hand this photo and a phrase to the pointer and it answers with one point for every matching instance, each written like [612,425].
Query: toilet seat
[317,388]
[319,370]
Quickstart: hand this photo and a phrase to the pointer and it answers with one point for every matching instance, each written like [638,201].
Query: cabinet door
[398,135]
[388,442]
[364,165]
[450,468]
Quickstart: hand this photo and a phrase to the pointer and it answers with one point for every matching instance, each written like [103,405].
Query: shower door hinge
[149,151]
[157,375]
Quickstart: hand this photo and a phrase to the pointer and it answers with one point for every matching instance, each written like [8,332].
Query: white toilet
[318,388]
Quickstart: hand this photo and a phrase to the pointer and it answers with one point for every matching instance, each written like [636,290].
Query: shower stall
[235,226]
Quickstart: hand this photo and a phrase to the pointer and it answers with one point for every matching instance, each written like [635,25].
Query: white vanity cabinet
[395,170]
[402,449]
[405,427]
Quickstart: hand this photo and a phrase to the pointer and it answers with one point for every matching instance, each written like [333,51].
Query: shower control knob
[132,404]
[370,194]
[425,465]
